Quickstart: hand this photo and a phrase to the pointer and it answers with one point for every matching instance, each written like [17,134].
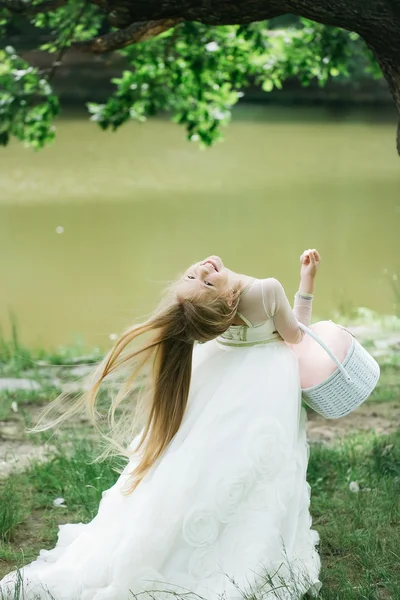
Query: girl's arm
[277,306]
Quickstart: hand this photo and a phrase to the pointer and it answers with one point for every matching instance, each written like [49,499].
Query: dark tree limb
[137,32]
[27,8]
[350,14]
[391,71]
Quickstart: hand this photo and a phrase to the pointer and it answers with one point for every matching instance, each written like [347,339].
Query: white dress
[225,509]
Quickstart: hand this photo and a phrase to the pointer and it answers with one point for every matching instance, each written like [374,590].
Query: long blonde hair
[174,328]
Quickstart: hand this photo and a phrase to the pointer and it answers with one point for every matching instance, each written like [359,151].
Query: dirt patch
[16,449]
[381,417]
[16,453]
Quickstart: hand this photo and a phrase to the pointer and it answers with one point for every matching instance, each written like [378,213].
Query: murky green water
[137,206]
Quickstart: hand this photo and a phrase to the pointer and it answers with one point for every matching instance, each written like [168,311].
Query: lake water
[139,205]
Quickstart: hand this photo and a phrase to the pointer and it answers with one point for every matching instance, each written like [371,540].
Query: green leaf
[267,85]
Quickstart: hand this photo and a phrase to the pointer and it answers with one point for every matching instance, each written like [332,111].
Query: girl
[214,499]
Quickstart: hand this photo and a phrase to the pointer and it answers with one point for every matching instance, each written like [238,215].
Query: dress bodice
[268,316]
[249,334]
[242,335]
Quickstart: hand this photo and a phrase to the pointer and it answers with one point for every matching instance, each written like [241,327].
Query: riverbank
[354,469]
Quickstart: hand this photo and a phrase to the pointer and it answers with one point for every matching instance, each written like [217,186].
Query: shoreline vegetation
[354,471]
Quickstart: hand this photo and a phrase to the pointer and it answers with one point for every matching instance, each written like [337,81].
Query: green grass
[396,292]
[360,532]
[15,358]
[74,477]
[388,388]
[12,512]
[28,518]
[25,398]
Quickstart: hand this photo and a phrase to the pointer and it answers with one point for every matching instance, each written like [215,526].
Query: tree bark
[19,6]
[137,32]
[391,71]
[356,15]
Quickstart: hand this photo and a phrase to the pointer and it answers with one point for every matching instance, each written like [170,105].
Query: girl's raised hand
[309,260]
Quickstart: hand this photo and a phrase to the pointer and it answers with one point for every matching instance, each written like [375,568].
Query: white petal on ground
[354,487]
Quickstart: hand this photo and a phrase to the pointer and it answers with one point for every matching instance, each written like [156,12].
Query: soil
[382,417]
[16,452]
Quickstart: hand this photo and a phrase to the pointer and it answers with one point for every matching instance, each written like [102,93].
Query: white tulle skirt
[225,510]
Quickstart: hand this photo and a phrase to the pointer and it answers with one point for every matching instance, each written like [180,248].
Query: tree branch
[63,49]
[391,71]
[137,32]
[27,8]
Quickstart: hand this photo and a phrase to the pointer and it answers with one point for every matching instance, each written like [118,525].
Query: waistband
[247,336]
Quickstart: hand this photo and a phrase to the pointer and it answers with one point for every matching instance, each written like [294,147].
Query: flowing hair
[174,328]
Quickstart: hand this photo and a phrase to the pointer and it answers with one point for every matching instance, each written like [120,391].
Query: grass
[388,387]
[21,399]
[396,292]
[360,532]
[69,474]
[28,518]
[15,358]
[12,511]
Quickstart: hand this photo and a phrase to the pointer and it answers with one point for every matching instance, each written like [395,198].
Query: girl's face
[208,275]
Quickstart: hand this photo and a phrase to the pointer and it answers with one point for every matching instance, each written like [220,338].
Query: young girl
[214,499]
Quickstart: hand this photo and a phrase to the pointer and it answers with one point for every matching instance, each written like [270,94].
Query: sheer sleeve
[276,305]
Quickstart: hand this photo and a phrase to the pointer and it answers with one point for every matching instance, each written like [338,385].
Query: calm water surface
[137,206]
